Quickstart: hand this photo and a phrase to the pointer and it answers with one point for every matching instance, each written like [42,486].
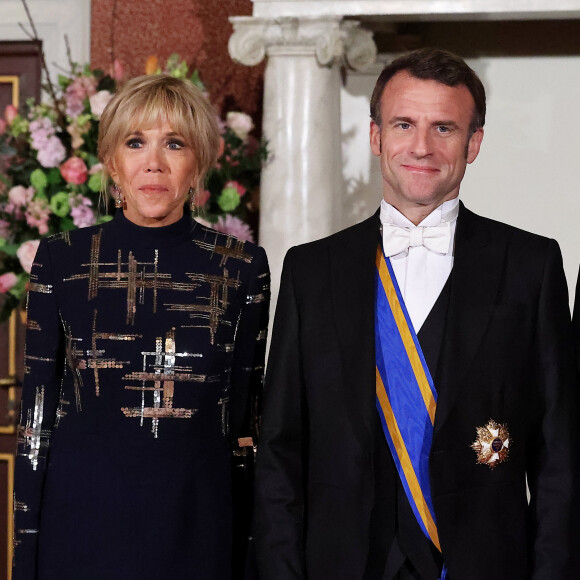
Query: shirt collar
[446,212]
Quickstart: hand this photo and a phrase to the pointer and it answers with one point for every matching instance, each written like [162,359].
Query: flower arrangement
[51,179]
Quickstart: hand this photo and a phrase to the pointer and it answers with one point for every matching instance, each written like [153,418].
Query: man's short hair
[432,64]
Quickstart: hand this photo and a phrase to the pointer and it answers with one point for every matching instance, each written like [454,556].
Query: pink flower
[10,113]
[240,123]
[74,170]
[235,227]
[7,281]
[83,216]
[52,152]
[117,71]
[20,195]
[41,130]
[13,210]
[76,93]
[95,168]
[98,102]
[50,149]
[237,186]
[26,253]
[201,197]
[37,214]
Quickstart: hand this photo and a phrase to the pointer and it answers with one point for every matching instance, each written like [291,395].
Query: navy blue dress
[144,359]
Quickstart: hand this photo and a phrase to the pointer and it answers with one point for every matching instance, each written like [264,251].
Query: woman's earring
[191,194]
[118,197]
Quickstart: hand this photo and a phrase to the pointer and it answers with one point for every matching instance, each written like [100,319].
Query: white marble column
[302,186]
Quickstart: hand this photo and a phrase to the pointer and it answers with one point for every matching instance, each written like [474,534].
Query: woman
[144,355]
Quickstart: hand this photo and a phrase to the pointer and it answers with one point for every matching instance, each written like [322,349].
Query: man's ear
[474,145]
[375,137]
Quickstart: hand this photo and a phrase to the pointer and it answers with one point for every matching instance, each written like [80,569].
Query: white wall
[53,20]
[528,171]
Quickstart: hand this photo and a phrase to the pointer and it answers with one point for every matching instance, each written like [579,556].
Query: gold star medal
[492,444]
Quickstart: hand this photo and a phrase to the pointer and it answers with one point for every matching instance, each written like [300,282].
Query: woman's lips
[153,188]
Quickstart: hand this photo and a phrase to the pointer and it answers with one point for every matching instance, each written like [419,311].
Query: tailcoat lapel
[352,275]
[476,277]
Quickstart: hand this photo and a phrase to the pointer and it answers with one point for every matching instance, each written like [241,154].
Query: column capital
[329,39]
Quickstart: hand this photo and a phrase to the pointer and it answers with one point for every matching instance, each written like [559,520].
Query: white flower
[240,123]
[98,102]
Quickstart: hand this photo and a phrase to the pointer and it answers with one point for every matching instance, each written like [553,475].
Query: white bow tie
[397,239]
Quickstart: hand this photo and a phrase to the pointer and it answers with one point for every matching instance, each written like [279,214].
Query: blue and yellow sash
[406,397]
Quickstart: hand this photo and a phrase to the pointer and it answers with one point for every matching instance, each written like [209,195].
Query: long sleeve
[553,467]
[280,463]
[245,402]
[250,350]
[44,363]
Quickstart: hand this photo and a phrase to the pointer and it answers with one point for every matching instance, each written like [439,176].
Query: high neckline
[171,234]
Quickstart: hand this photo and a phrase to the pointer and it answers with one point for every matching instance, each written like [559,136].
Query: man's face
[424,142]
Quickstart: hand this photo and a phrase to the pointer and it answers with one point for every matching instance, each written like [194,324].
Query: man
[411,394]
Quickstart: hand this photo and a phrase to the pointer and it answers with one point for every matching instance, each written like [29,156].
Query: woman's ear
[110,165]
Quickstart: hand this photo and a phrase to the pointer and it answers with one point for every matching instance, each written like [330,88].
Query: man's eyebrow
[446,123]
[400,120]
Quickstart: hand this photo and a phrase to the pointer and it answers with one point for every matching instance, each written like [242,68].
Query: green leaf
[54,176]
[92,159]
[197,81]
[67,224]
[9,249]
[63,81]
[104,218]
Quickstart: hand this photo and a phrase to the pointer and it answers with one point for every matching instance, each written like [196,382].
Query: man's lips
[420,168]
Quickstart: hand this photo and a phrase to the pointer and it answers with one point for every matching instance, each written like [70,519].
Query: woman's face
[154,168]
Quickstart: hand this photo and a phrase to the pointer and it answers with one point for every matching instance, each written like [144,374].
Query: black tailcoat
[507,355]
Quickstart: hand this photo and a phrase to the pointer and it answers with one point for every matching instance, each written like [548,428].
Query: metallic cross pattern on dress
[217,301]
[32,324]
[31,437]
[20,506]
[29,357]
[233,249]
[131,275]
[95,358]
[75,362]
[35,286]
[64,236]
[159,376]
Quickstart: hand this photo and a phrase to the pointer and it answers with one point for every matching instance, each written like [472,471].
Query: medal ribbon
[406,396]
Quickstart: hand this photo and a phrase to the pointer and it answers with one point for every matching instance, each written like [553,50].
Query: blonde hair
[143,101]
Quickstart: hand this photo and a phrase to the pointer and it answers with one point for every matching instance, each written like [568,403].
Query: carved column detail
[302,185]
[331,40]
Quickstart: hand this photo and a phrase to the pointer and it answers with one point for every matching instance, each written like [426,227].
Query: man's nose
[421,144]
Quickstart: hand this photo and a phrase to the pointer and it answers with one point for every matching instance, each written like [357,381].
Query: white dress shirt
[421,273]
